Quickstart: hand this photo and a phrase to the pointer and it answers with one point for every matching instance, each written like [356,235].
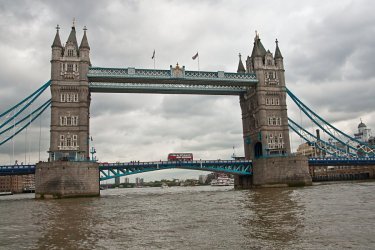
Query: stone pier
[276,172]
[63,179]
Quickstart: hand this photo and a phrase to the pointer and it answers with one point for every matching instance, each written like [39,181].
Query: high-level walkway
[173,81]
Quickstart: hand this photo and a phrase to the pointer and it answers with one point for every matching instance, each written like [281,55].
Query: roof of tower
[84,42]
[362,125]
[72,37]
[57,41]
[258,49]
[277,51]
[241,68]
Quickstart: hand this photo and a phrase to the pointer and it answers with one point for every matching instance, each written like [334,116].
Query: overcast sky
[328,49]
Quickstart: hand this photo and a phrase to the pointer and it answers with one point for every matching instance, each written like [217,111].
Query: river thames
[330,216]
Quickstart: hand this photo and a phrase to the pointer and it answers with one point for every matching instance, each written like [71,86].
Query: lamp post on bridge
[92,152]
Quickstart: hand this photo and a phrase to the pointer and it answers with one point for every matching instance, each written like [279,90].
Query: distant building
[117,180]
[364,133]
[371,141]
[126,180]
[139,181]
[29,182]
[309,150]
[11,183]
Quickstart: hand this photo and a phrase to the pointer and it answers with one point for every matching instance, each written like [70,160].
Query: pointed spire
[277,51]
[258,49]
[57,41]
[84,42]
[72,36]
[241,68]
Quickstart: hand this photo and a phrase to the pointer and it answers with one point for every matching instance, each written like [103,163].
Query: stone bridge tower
[265,124]
[70,98]
[68,173]
[264,111]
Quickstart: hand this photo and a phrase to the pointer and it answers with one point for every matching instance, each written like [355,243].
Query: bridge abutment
[283,171]
[63,179]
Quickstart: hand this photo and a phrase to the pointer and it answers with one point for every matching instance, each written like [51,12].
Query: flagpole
[154,62]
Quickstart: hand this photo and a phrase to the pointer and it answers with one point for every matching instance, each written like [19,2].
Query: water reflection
[69,224]
[273,218]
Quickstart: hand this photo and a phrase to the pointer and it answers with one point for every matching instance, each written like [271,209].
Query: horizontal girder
[173,81]
[17,170]
[328,161]
[147,88]
[112,170]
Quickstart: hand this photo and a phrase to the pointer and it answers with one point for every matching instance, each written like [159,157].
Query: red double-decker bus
[180,157]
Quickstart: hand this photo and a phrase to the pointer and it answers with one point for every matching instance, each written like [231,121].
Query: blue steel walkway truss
[112,170]
[173,81]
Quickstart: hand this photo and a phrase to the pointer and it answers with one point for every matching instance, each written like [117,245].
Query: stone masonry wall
[276,172]
[62,179]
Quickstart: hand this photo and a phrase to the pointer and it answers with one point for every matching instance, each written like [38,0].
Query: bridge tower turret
[70,98]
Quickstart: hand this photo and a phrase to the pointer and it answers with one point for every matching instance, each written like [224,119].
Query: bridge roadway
[112,170]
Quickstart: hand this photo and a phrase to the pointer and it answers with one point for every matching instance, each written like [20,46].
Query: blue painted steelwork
[31,98]
[22,106]
[322,145]
[17,170]
[112,170]
[37,92]
[343,139]
[35,114]
[341,161]
[173,81]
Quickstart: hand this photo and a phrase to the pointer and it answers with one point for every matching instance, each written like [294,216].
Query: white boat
[164,185]
[222,181]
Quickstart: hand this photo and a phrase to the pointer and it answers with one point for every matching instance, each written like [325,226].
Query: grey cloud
[327,47]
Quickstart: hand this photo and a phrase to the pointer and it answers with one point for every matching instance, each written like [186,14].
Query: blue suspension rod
[45,86]
[27,124]
[292,123]
[299,104]
[295,99]
[26,117]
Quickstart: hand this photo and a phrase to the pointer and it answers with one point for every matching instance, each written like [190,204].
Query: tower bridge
[259,84]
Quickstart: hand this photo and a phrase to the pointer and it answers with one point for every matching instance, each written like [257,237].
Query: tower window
[70,52]
[70,67]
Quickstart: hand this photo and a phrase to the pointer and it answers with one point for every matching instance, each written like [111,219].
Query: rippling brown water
[334,216]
